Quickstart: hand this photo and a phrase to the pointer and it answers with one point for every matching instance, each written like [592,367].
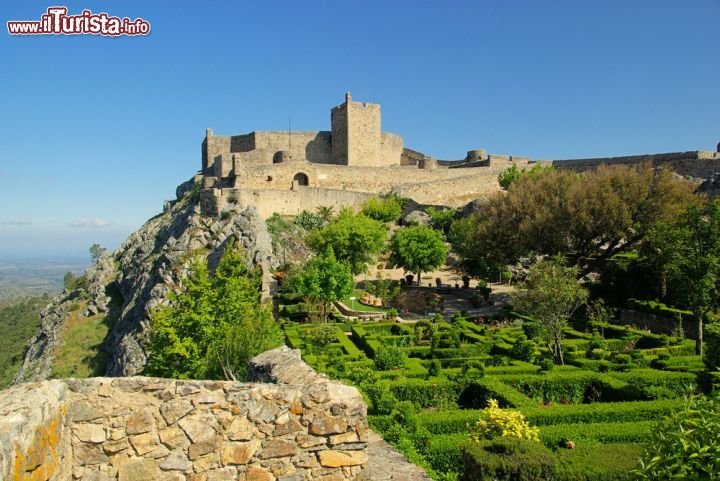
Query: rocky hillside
[140,275]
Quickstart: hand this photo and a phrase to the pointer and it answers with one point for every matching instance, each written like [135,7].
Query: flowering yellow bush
[495,422]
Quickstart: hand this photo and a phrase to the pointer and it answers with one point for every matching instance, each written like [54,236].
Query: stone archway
[301,179]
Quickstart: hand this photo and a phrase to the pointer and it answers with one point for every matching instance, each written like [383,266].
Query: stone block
[240,453]
[337,459]
[173,411]
[139,469]
[279,448]
[328,425]
[89,433]
[139,423]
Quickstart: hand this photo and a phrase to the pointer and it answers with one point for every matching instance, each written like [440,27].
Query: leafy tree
[551,294]
[387,209]
[214,324]
[690,252]
[441,218]
[354,239]
[590,216]
[417,249]
[324,280]
[96,250]
[685,444]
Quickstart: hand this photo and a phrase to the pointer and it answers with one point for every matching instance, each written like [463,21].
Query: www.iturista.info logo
[56,21]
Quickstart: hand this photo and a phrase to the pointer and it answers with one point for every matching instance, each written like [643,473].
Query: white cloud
[23,221]
[94,223]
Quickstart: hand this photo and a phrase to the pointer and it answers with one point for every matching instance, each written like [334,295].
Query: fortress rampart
[696,163]
[287,172]
[294,425]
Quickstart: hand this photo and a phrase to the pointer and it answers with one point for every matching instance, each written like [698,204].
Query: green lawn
[358,294]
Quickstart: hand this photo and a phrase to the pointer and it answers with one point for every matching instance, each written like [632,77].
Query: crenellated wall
[294,426]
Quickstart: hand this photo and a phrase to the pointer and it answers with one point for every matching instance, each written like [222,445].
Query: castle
[287,172]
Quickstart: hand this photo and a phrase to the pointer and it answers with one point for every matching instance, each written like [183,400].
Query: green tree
[417,249]
[690,249]
[354,239]
[441,218]
[214,324]
[386,209]
[324,280]
[96,250]
[590,216]
[550,295]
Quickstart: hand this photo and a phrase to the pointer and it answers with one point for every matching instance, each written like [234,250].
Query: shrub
[383,209]
[524,351]
[226,215]
[389,357]
[532,329]
[508,459]
[435,367]
[712,346]
[309,220]
[684,445]
[507,276]
[323,335]
[495,422]
[546,364]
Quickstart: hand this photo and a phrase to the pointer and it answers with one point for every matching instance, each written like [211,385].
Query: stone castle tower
[356,134]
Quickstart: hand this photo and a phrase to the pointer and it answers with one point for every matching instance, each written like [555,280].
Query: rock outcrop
[40,350]
[149,265]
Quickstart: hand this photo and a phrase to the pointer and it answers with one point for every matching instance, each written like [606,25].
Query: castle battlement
[288,171]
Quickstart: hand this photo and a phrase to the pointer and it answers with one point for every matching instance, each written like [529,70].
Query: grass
[82,352]
[358,294]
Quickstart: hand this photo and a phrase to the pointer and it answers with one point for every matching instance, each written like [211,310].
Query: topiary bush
[508,459]
[524,351]
[495,422]
[389,357]
[712,346]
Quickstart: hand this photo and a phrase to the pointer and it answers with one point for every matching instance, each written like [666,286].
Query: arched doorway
[301,179]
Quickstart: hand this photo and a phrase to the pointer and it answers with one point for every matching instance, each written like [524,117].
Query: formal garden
[576,338]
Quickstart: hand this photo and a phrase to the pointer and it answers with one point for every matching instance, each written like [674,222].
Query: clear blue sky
[100,130]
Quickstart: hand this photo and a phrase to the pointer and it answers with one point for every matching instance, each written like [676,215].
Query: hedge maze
[594,413]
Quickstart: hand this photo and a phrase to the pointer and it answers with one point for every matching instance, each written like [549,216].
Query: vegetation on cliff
[214,324]
[19,321]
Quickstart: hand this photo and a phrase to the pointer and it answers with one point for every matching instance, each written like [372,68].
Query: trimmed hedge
[607,433]
[349,347]
[444,452]
[517,460]
[508,459]
[449,422]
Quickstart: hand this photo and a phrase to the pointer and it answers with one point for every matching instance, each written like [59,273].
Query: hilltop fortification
[287,172]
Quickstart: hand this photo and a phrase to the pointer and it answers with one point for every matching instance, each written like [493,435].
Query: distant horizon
[103,129]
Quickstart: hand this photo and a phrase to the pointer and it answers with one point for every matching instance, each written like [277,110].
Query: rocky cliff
[141,273]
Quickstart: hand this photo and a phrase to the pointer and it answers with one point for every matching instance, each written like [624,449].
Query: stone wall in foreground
[294,426]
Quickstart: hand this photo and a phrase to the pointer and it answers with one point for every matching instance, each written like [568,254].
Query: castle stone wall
[338,177]
[139,428]
[699,164]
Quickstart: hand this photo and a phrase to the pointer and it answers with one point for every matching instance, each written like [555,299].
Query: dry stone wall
[303,427]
